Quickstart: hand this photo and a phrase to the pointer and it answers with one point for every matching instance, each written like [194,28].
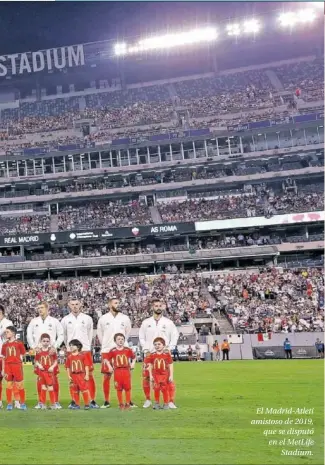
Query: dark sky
[39,25]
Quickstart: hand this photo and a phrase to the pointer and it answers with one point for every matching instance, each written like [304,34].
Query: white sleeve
[128,328]
[30,335]
[65,333]
[59,334]
[90,330]
[142,335]
[100,331]
[173,335]
[2,329]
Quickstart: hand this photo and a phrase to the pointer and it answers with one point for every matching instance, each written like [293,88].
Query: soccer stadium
[162,234]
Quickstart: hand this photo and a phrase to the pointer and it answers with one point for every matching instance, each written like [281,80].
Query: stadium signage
[277,352]
[43,60]
[164,229]
[96,235]
[256,221]
[18,240]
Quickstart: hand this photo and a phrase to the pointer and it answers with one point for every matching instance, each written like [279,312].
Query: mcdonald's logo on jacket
[160,363]
[77,363]
[13,352]
[120,358]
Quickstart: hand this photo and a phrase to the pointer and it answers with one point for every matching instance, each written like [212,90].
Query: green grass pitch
[217,403]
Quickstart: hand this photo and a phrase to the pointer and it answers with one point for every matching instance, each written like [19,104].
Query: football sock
[0,391]
[157,395]
[119,397]
[76,396]
[56,388]
[42,397]
[22,395]
[165,394]
[92,387]
[39,389]
[146,388]
[127,397]
[9,395]
[106,387]
[86,397]
[53,397]
[171,389]
[72,391]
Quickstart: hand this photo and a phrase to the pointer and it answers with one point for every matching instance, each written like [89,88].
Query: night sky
[32,26]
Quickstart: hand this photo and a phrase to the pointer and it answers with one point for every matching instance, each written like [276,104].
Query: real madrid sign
[43,60]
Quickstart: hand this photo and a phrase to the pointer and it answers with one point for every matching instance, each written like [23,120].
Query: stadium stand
[155,188]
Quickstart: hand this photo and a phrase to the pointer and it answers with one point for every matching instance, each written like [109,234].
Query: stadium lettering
[33,62]
[164,229]
[20,239]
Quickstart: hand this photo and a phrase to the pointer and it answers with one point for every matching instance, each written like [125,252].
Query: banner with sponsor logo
[277,352]
[92,235]
[122,233]
[293,218]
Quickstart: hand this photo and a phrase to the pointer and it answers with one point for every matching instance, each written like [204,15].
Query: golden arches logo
[76,366]
[121,360]
[45,360]
[159,364]
[11,351]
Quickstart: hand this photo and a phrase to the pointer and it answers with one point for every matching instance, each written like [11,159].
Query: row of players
[76,331]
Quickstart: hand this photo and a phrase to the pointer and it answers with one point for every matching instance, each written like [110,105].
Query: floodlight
[207,34]
[233,29]
[317,5]
[288,19]
[291,19]
[252,26]
[120,49]
[307,15]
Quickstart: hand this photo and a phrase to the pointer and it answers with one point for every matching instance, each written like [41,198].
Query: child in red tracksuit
[161,370]
[78,369]
[46,368]
[121,360]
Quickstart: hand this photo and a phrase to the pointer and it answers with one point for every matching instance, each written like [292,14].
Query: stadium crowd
[271,300]
[103,213]
[226,93]
[182,296]
[106,213]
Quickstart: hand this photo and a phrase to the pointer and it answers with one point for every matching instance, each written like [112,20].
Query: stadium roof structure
[297,26]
